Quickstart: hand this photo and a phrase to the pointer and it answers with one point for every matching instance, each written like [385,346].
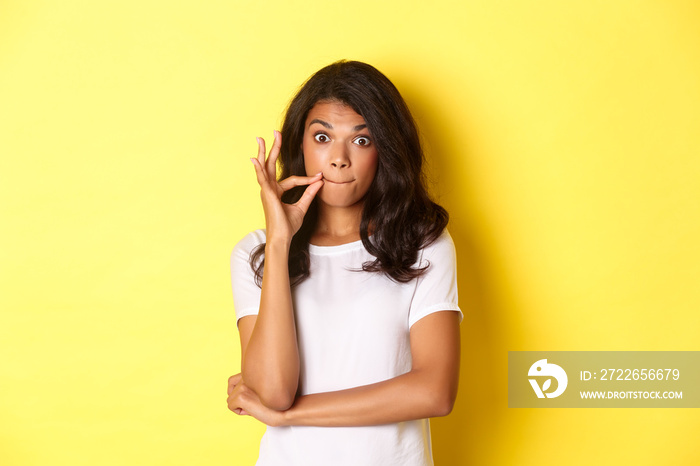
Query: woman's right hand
[282,220]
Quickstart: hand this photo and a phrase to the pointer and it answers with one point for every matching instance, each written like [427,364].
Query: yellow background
[564,139]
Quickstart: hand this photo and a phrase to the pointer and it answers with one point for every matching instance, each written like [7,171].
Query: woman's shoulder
[441,249]
[249,242]
[443,242]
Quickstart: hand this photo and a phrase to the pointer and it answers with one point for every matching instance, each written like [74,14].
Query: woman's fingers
[261,151]
[259,171]
[305,201]
[271,164]
[238,395]
[233,381]
[268,164]
[265,171]
[259,162]
[289,183]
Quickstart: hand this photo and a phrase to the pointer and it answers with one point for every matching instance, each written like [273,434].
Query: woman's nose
[339,157]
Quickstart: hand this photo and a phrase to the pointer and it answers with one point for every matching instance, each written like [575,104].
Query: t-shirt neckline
[325,250]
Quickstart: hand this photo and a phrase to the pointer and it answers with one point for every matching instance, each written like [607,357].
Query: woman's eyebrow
[330,126]
[321,122]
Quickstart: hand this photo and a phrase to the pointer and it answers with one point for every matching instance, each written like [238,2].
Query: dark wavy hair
[402,217]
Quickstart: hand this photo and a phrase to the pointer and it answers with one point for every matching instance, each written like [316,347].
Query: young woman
[347,302]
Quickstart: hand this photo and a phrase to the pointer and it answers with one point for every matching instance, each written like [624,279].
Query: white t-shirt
[352,329]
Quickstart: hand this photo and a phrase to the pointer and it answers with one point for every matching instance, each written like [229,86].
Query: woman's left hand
[245,402]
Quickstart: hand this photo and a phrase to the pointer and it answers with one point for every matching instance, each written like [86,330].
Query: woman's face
[336,142]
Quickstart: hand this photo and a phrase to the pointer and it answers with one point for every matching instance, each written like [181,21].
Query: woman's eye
[362,141]
[321,137]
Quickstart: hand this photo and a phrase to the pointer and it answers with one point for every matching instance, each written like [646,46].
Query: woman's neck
[337,225]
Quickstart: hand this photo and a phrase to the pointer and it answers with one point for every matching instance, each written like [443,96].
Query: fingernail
[252,160]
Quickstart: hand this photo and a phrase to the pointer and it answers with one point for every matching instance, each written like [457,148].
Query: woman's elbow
[273,392]
[441,401]
[279,400]
[442,406]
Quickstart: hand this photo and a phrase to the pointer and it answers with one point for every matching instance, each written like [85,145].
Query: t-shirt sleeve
[436,289]
[246,294]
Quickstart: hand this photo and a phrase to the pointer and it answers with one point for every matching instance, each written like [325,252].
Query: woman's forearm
[414,395]
[270,362]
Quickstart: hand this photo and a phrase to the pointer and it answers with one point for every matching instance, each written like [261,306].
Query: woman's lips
[338,182]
